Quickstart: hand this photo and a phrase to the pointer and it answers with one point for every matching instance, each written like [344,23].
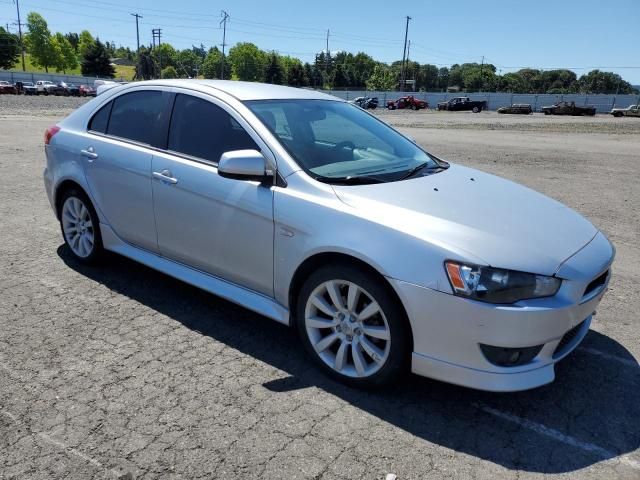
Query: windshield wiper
[350,180]
[423,166]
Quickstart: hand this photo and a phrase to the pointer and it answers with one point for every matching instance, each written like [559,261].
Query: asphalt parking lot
[121,372]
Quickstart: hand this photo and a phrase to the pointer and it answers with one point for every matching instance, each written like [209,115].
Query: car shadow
[589,414]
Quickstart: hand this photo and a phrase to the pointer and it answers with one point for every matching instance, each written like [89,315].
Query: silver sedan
[312,212]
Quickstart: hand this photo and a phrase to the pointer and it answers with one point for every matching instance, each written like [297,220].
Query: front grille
[595,284]
[567,340]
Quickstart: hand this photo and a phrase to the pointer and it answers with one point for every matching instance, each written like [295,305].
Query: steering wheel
[345,144]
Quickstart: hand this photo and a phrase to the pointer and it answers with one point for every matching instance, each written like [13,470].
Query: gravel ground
[49,105]
[120,371]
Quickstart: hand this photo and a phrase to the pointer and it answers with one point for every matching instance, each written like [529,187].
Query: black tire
[398,360]
[475,109]
[98,249]
[547,112]
[390,107]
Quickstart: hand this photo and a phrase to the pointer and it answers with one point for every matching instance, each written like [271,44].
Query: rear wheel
[80,226]
[353,327]
[475,109]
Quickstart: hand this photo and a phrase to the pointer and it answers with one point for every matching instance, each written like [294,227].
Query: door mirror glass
[243,165]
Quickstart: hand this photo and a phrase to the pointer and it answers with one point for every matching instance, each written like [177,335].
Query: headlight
[495,285]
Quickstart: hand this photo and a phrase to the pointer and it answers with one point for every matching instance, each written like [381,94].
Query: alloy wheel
[347,328]
[78,227]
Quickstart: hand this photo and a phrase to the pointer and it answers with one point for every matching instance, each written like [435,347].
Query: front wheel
[475,109]
[80,226]
[353,327]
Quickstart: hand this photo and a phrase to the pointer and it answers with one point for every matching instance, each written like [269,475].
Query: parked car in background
[316,214]
[517,108]
[44,87]
[630,111]
[462,104]
[7,87]
[407,102]
[568,108]
[87,91]
[28,88]
[366,102]
[65,89]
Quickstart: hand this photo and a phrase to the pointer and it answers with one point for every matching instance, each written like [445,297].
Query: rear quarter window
[100,120]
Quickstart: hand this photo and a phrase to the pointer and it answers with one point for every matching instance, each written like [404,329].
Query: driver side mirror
[244,165]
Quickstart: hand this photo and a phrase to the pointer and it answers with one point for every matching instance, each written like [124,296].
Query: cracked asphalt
[118,371]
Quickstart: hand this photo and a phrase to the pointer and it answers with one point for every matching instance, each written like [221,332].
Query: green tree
[164,55]
[66,58]
[146,68]
[169,72]
[297,76]
[96,62]
[9,49]
[42,50]
[597,81]
[85,41]
[382,79]
[188,63]
[74,40]
[340,77]
[247,62]
[212,65]
[273,70]
[443,78]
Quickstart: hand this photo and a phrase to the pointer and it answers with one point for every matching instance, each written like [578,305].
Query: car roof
[243,90]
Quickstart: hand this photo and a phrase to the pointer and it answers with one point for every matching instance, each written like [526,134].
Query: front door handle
[90,153]
[165,176]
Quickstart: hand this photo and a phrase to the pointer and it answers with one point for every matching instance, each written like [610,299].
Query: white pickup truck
[630,111]
[44,87]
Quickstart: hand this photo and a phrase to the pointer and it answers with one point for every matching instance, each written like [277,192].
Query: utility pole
[137,29]
[481,77]
[326,55]
[157,32]
[223,22]
[20,34]
[404,55]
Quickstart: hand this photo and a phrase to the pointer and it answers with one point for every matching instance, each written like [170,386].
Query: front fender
[310,219]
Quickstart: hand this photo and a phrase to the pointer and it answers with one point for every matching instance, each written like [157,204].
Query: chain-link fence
[603,103]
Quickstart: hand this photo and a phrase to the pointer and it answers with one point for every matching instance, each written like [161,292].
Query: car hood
[489,218]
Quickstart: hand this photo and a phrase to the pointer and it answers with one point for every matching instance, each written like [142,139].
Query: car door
[634,111]
[117,154]
[218,225]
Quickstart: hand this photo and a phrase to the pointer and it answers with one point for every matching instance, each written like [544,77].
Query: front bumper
[448,330]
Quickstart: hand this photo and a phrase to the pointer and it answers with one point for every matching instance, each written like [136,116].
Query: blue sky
[578,34]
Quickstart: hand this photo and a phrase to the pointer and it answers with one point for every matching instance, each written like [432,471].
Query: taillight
[49,133]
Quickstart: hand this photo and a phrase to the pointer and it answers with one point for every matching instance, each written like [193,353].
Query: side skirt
[229,291]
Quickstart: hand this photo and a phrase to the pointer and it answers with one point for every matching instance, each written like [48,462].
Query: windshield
[334,140]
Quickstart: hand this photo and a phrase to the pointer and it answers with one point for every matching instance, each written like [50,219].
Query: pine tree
[96,62]
[273,71]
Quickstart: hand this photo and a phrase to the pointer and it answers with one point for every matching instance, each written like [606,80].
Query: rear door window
[202,129]
[137,116]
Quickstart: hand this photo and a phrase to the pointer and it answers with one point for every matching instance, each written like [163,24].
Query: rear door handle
[90,153]
[165,176]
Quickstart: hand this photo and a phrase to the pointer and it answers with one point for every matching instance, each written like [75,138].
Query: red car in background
[87,91]
[407,102]
[7,87]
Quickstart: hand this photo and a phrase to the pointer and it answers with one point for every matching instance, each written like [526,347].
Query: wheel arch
[61,189]
[312,263]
